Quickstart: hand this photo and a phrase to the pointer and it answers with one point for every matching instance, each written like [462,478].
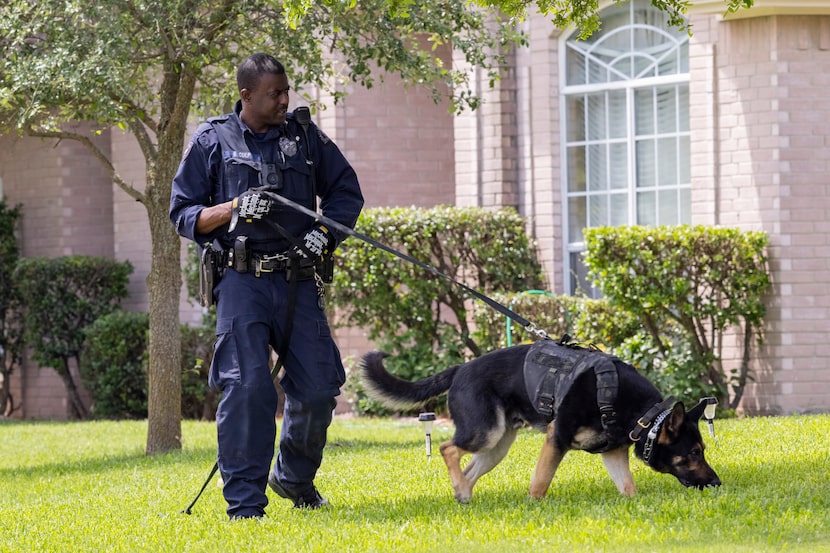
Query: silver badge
[288,146]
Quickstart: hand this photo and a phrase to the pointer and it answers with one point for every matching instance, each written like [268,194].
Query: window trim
[629,85]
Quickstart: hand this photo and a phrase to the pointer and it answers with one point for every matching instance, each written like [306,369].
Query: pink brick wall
[399,142]
[67,210]
[507,151]
[760,162]
[759,111]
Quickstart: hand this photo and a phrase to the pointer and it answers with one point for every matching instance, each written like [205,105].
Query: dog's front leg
[549,460]
[452,455]
[616,463]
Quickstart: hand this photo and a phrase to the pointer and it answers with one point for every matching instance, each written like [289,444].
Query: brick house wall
[772,77]
[760,147]
[759,156]
[760,150]
[67,200]
[399,142]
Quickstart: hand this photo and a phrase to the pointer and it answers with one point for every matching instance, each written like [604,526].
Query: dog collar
[644,422]
[648,446]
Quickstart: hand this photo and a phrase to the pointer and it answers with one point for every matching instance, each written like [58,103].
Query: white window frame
[629,85]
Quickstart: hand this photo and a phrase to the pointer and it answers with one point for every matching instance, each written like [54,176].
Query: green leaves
[62,296]
[584,14]
[112,364]
[107,61]
[705,280]
[690,271]
[407,308]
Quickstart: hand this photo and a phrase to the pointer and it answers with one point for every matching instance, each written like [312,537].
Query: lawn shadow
[105,463]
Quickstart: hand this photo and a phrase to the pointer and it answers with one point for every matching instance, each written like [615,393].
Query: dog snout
[701,483]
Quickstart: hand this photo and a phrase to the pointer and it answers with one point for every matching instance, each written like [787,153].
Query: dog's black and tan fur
[488,402]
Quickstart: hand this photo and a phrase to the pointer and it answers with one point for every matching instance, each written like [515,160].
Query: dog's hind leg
[452,455]
[549,460]
[485,460]
[481,463]
[616,463]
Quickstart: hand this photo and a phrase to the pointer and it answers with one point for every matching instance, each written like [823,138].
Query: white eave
[761,8]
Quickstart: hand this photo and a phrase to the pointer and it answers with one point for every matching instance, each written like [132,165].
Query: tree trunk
[164,283]
[6,403]
[743,373]
[164,409]
[76,404]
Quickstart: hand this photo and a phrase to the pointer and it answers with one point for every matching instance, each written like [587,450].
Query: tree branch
[96,152]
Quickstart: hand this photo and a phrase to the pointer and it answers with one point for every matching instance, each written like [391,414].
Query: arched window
[625,100]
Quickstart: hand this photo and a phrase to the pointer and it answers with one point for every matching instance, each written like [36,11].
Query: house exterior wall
[760,150]
[66,199]
[400,144]
[507,152]
[759,156]
[769,77]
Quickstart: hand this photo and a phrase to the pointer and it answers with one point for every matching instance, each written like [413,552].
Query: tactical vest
[289,174]
[235,152]
[551,368]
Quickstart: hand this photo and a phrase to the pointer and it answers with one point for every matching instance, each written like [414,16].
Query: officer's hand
[251,204]
[316,242]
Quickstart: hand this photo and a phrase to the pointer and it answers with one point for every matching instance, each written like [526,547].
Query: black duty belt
[260,263]
[278,263]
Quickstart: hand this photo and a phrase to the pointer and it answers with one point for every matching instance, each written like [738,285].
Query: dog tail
[396,393]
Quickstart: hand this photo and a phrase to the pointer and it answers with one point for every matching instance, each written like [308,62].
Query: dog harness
[551,368]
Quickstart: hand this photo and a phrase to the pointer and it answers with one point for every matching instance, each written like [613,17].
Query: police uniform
[252,305]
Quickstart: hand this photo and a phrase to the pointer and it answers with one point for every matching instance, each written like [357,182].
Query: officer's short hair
[254,67]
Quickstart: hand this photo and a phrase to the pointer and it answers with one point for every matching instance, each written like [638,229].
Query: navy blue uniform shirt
[204,179]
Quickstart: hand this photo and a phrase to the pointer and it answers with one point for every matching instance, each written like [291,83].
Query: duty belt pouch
[325,269]
[238,255]
[208,275]
[305,270]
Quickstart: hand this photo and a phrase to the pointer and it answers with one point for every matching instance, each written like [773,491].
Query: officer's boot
[303,437]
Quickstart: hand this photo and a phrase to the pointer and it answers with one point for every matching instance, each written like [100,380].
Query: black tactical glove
[317,242]
[251,204]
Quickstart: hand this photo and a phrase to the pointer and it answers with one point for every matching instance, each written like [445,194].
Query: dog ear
[675,420]
[696,412]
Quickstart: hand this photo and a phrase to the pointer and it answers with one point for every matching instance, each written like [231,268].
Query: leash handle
[188,511]
[530,327]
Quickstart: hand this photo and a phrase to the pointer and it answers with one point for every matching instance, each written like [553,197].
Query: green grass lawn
[89,487]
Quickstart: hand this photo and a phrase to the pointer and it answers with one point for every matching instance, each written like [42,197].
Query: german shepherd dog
[489,401]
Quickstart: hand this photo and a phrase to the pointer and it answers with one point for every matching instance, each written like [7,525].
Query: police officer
[221,199]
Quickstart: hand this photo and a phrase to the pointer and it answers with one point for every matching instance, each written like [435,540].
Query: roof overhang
[761,8]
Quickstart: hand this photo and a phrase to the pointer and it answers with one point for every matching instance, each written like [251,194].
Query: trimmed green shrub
[11,314]
[599,323]
[114,368]
[413,313]
[113,365]
[549,313]
[198,400]
[62,296]
[699,282]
